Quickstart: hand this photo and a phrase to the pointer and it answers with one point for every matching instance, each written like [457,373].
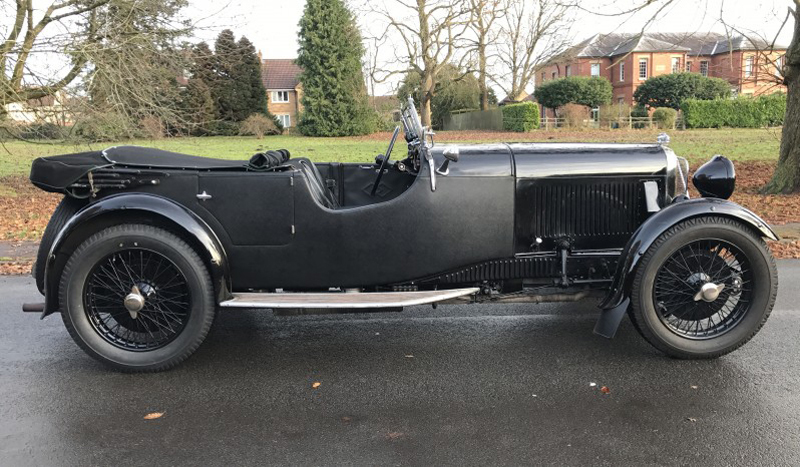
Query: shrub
[611,113]
[520,117]
[672,89]
[223,128]
[583,90]
[742,112]
[107,126]
[44,130]
[259,125]
[639,112]
[574,115]
[152,127]
[665,117]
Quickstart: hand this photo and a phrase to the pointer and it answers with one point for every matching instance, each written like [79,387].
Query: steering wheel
[385,160]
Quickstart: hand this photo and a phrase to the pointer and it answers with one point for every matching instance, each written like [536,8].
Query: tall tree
[532,33]
[455,90]
[786,178]
[334,92]
[483,18]
[433,35]
[136,61]
[231,87]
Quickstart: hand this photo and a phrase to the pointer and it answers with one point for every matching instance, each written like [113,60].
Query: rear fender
[659,223]
[154,208]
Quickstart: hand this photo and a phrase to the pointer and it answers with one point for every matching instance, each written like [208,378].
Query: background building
[281,79]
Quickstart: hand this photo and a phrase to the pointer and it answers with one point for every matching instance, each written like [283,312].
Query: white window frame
[568,70]
[622,71]
[643,72]
[676,64]
[277,97]
[704,72]
[688,66]
[285,119]
[748,66]
[595,69]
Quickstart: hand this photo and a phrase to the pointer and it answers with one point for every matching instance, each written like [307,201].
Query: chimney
[260,60]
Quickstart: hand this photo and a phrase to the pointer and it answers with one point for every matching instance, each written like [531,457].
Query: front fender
[152,205]
[660,222]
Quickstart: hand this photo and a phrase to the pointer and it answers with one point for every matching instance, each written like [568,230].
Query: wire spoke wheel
[137,299]
[704,289]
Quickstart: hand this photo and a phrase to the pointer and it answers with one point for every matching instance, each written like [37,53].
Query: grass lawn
[695,145]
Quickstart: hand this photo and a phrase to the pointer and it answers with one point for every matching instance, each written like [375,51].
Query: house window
[596,114]
[621,101]
[543,76]
[642,68]
[280,96]
[688,67]
[748,66]
[285,119]
[779,66]
[595,69]
[568,70]
[622,71]
[676,64]
[704,68]
[555,74]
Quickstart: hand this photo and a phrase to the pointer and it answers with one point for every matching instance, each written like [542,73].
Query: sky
[272,25]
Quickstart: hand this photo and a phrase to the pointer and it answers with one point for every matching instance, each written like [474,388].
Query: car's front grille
[576,208]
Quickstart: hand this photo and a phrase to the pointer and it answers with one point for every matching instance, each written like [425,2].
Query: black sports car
[147,244]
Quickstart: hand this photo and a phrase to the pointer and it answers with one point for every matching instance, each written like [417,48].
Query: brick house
[284,91]
[627,60]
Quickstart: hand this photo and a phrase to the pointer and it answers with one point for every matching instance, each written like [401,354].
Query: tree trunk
[425,109]
[482,77]
[786,178]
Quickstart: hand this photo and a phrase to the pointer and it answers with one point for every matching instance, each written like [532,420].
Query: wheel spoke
[682,276]
[166,299]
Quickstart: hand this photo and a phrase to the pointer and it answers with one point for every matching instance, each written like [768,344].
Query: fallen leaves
[316,384]
[154,415]
[605,390]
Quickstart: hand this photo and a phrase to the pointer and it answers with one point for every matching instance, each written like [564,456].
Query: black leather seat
[316,183]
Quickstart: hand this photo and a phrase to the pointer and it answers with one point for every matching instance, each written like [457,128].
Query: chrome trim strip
[344,300]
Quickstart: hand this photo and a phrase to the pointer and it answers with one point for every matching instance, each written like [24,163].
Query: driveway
[467,385]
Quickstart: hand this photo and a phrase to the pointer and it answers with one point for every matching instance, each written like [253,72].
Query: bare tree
[28,31]
[483,18]
[432,34]
[532,33]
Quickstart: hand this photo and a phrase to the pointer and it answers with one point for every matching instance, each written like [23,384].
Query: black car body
[487,222]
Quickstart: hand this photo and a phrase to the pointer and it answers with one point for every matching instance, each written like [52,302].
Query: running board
[343,299]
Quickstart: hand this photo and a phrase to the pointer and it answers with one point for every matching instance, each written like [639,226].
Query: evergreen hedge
[520,117]
[742,112]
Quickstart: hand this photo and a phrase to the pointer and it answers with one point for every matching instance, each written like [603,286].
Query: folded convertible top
[56,173]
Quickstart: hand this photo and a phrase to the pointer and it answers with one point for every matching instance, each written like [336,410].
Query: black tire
[172,324]
[64,212]
[661,294]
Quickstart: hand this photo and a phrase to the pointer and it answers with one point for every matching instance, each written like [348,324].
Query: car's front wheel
[704,288]
[137,298]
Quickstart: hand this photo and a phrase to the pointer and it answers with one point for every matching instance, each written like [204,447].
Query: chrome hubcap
[709,292]
[134,302]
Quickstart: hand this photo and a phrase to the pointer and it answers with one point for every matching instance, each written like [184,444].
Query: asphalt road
[467,385]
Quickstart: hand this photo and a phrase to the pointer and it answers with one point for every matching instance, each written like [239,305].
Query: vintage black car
[148,244]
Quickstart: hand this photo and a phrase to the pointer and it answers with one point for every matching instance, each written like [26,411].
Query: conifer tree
[334,94]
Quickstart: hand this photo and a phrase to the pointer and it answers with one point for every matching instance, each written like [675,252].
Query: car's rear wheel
[704,288]
[137,298]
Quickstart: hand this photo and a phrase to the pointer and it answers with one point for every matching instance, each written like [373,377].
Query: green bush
[520,117]
[44,131]
[584,90]
[108,126]
[742,112]
[672,89]
[665,117]
[639,112]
